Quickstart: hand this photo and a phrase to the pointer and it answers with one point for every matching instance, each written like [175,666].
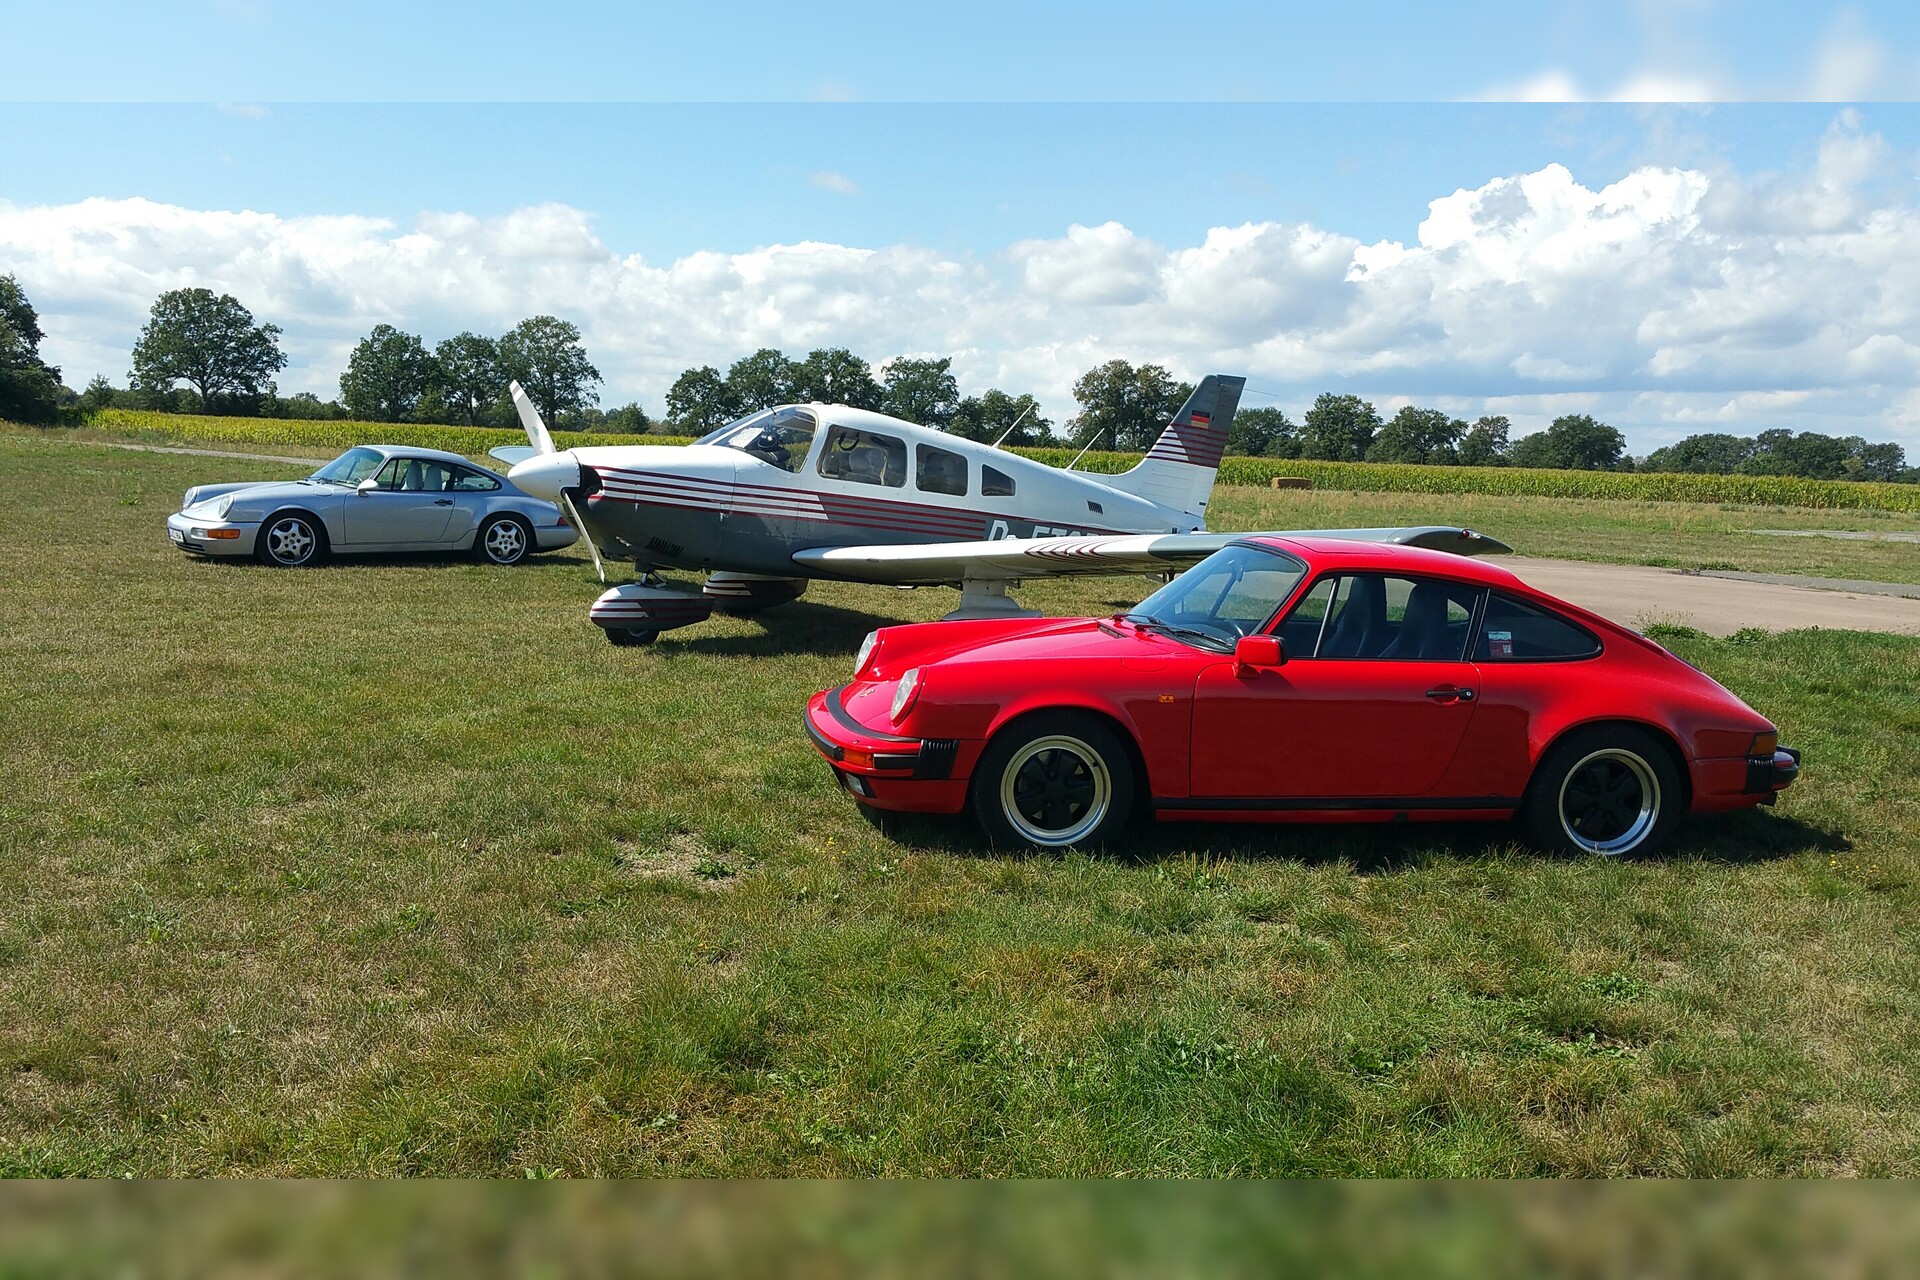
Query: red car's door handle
[1447,693]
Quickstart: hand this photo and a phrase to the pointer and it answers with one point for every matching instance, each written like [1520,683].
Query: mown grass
[398,868]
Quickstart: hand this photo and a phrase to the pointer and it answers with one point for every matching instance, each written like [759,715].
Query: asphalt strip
[1722,602]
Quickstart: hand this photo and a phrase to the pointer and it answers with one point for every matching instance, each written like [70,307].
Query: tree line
[202,351]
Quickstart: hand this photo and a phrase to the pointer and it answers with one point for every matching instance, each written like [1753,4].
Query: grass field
[397,867]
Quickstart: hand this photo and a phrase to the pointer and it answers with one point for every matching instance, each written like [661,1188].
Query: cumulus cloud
[1663,301]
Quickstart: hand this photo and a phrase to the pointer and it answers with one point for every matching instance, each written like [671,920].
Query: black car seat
[1423,629]
[1362,622]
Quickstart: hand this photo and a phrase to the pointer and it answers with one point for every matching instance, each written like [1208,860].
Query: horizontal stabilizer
[1014,559]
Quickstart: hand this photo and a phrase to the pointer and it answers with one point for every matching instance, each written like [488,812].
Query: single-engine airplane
[806,491]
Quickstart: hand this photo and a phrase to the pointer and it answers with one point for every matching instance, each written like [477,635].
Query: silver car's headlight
[866,651]
[212,509]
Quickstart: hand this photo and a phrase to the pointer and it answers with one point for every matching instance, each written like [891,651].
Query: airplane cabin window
[940,471]
[995,483]
[864,457]
[779,437]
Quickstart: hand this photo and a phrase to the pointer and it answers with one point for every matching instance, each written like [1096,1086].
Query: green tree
[1338,428]
[1878,462]
[1265,432]
[700,400]
[1781,452]
[1485,444]
[990,415]
[1713,453]
[834,375]
[30,389]
[762,380]
[386,376]
[98,395]
[211,343]
[545,356]
[628,419]
[921,391]
[470,377]
[1125,407]
[1418,435]
[1573,442]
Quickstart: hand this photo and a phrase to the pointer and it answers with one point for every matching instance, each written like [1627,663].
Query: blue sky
[1120,50]
[665,180]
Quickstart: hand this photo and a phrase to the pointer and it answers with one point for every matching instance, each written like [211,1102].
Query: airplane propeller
[539,476]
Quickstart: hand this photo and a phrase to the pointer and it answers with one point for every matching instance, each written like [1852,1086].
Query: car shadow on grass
[1383,848]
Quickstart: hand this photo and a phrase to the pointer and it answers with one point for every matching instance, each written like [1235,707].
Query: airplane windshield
[778,437]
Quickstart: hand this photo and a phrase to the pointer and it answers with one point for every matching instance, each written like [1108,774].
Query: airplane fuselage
[861,479]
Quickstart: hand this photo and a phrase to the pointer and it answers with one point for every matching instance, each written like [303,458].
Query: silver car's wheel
[290,540]
[504,541]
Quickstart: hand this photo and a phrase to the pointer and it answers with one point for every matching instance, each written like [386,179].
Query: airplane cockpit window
[778,437]
[995,483]
[863,457]
[940,471]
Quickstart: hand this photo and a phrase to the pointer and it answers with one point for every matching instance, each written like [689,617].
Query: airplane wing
[1013,559]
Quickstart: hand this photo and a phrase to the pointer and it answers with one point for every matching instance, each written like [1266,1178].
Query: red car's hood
[1011,640]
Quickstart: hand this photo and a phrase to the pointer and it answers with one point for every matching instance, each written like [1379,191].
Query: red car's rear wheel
[1052,781]
[1610,790]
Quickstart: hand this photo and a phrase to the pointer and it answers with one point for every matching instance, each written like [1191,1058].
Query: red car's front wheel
[1053,781]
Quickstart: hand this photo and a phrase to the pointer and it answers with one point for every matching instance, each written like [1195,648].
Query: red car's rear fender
[1661,734]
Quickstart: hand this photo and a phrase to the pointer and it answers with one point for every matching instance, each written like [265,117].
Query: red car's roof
[1379,557]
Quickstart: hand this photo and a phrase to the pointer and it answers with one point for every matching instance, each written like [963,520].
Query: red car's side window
[1387,617]
[1514,631]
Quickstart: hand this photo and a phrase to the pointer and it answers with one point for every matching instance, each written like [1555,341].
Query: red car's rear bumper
[1740,782]
[888,770]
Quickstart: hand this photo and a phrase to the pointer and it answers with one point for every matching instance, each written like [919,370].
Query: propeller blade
[573,513]
[530,419]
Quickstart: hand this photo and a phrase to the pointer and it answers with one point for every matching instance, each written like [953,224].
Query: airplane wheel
[631,637]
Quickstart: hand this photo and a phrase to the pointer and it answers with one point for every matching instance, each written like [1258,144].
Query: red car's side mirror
[1255,652]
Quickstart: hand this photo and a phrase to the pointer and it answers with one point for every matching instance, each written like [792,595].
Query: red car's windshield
[1232,593]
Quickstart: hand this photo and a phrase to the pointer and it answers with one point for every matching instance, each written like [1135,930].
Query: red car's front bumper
[888,770]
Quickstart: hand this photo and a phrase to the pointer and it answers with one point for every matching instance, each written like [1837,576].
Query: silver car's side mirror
[366,486]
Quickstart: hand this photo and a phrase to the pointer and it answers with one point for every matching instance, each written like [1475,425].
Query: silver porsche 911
[371,498]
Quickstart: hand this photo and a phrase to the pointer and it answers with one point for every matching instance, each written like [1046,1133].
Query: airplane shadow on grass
[1382,848]
[799,627]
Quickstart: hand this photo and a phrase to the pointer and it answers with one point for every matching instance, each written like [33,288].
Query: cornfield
[1377,477]
[340,433]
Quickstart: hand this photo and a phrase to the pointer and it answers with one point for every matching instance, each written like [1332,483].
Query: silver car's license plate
[176,535]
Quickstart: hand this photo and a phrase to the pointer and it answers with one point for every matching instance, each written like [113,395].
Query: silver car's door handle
[443,502]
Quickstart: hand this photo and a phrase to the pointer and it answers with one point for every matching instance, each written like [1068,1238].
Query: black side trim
[936,758]
[1336,802]
[831,750]
[838,710]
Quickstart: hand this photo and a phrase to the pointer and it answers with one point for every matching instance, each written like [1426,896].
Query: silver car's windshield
[1232,593]
[351,467]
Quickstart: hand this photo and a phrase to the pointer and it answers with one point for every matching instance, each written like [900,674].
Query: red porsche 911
[1301,679]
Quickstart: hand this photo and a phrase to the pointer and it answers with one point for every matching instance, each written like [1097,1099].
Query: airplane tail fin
[1178,471]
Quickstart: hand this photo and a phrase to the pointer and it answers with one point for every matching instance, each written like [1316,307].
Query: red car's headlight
[905,695]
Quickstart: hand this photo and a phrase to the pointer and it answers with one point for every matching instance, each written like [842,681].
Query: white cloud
[827,180]
[1664,300]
